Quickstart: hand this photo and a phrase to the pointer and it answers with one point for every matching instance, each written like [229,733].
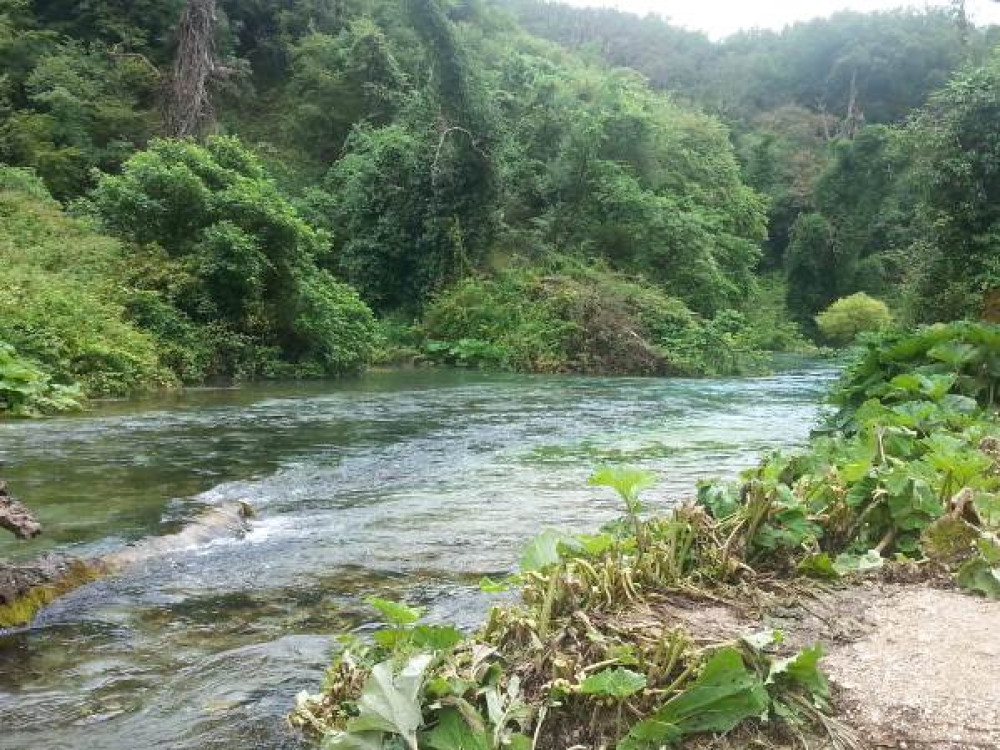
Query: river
[408,484]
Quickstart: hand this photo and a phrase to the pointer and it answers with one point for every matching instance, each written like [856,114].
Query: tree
[339,82]
[238,253]
[189,106]
[416,202]
[809,264]
[957,144]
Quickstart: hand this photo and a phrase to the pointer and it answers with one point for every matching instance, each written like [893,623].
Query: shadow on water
[408,483]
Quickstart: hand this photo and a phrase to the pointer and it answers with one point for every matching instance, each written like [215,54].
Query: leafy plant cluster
[908,468]
[569,666]
[26,391]
[568,317]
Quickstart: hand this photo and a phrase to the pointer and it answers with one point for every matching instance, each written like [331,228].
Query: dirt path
[926,675]
[912,666]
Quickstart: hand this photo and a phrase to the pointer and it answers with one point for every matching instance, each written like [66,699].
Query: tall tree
[189,106]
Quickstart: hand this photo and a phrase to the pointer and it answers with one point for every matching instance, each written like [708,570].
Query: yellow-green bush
[842,321]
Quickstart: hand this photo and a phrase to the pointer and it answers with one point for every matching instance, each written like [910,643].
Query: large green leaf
[391,702]
[628,481]
[818,565]
[982,572]
[435,637]
[803,670]
[395,613]
[724,695]
[615,683]
[847,563]
[988,507]
[354,741]
[953,353]
[543,550]
[453,733]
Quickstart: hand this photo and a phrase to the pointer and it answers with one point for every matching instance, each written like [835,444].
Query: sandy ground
[913,666]
[926,675]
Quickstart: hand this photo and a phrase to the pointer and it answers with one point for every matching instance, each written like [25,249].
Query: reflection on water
[413,483]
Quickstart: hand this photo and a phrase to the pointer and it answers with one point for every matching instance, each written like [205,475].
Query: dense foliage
[570,318]
[442,158]
[908,467]
[880,65]
[861,199]
[232,254]
[64,303]
[596,653]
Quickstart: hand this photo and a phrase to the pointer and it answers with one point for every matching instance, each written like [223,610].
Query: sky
[719,18]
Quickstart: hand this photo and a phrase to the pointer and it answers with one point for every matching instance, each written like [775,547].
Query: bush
[26,391]
[219,243]
[842,321]
[573,318]
[62,302]
[336,328]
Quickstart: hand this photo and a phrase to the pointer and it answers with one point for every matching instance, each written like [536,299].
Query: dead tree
[855,118]
[189,101]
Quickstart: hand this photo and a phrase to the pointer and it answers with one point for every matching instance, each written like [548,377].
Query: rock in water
[16,580]
[15,517]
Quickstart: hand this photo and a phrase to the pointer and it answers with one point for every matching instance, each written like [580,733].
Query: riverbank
[597,654]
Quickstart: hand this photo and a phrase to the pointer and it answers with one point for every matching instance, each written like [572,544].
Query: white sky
[719,18]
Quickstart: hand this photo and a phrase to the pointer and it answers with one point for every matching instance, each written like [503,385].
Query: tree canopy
[392,155]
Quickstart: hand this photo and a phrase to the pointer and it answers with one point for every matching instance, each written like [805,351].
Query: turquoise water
[414,484]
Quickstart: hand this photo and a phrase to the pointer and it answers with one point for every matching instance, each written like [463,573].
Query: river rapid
[405,484]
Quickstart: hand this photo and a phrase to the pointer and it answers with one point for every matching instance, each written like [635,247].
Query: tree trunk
[189,105]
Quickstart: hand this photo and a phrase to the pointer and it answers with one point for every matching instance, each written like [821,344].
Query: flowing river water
[407,484]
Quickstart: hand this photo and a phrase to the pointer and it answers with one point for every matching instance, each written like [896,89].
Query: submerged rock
[27,587]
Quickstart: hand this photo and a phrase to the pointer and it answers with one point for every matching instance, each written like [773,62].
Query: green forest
[195,190]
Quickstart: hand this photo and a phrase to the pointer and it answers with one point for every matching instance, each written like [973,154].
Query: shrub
[61,305]
[26,391]
[842,321]
[574,318]
[336,328]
